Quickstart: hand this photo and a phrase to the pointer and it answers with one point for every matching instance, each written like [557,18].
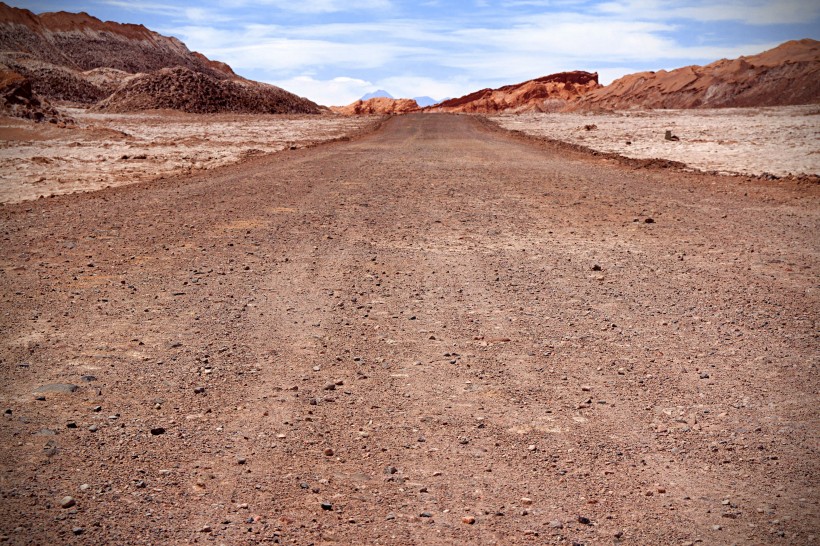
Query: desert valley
[554,312]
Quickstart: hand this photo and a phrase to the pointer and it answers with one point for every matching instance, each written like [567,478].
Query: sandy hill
[550,93]
[788,74]
[378,106]
[77,58]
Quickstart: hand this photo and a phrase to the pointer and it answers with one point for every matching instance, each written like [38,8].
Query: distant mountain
[425,101]
[380,94]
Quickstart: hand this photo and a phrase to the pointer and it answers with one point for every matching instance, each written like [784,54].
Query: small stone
[390,517]
[531,447]
[716,527]
[71,424]
[586,388]
[62,388]
[704,375]
[526,501]
[241,460]
[328,451]
[330,387]
[8,412]
[199,390]
[96,409]
[463,440]
[425,515]
[93,428]
[78,530]
[88,378]
[596,267]
[327,506]
[156,431]
[317,368]
[67,502]
[469,520]
[649,221]
[390,470]
[557,524]
[85,487]
[584,520]
[205,529]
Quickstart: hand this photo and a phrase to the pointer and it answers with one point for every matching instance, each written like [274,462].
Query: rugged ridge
[77,58]
[547,94]
[786,75]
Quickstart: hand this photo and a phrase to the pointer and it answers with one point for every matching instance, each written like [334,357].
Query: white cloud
[339,91]
[753,12]
[315,6]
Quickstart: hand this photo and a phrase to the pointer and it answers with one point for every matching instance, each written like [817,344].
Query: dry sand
[780,141]
[116,149]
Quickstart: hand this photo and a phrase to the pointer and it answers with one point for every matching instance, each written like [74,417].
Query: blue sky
[334,51]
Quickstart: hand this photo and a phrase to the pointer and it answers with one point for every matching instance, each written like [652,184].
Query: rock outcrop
[548,94]
[377,106]
[786,75]
[17,99]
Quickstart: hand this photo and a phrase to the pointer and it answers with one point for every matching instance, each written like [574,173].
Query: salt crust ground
[781,141]
[116,149]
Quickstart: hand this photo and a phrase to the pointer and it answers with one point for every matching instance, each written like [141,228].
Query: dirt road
[433,334]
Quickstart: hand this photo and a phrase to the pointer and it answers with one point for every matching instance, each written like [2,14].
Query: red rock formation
[377,106]
[550,93]
[787,74]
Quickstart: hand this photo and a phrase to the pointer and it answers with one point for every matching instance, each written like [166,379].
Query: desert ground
[434,333]
[114,149]
[780,141]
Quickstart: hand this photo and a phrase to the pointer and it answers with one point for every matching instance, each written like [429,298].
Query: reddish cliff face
[550,93]
[788,74]
[377,106]
[78,58]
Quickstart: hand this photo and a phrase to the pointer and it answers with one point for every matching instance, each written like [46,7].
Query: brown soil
[436,334]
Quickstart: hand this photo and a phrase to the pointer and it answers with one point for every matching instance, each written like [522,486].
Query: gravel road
[436,333]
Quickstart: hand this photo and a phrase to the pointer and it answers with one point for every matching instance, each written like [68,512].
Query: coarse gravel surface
[435,333]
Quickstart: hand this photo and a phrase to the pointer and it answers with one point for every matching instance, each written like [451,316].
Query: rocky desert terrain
[231,316]
[437,333]
[103,149]
[774,141]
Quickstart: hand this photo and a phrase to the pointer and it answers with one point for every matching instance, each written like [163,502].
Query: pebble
[584,520]
[328,451]
[78,530]
[469,520]
[716,527]
[156,431]
[526,501]
[67,502]
[330,387]
[649,221]
[531,447]
[241,460]
[85,487]
[390,470]
[199,390]
[327,506]
[425,515]
[92,428]
[704,375]
[557,524]
[206,529]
